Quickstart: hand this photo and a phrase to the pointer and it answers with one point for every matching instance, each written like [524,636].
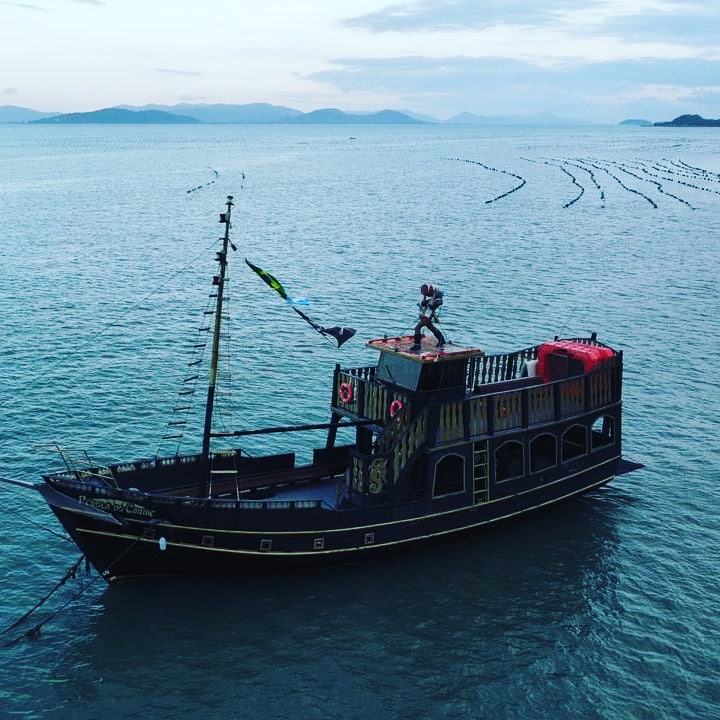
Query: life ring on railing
[345,393]
[395,407]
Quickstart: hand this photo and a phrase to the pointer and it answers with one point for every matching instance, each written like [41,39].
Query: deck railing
[356,390]
[487,408]
[397,447]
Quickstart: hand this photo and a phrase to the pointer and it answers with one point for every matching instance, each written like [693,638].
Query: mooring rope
[71,573]
[34,632]
[30,520]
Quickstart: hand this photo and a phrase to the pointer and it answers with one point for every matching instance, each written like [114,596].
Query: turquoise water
[604,608]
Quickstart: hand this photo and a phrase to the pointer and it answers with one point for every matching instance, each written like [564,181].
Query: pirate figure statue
[429,305]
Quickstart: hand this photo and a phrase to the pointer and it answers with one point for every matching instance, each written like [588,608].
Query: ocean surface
[606,607]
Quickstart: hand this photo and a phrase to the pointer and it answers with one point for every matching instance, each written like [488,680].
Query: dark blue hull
[228,539]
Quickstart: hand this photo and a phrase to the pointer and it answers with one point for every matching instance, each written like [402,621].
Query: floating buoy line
[207,184]
[658,174]
[495,170]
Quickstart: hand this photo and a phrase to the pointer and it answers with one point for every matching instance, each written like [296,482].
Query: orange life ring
[345,393]
[395,407]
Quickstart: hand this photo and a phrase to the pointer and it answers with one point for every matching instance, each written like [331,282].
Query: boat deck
[312,483]
[428,351]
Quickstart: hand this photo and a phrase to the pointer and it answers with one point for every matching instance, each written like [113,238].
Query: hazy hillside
[118,116]
[224,113]
[15,114]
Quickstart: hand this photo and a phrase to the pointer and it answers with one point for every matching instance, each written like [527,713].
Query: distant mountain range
[539,119]
[261,113]
[15,114]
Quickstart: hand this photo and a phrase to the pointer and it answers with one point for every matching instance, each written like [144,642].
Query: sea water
[606,607]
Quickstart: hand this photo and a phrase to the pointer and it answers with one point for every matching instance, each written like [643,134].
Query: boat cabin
[423,367]
[431,416]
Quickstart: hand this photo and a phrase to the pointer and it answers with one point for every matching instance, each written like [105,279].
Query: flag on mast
[340,333]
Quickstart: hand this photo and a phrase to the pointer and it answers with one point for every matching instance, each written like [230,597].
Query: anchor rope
[70,573]
[34,632]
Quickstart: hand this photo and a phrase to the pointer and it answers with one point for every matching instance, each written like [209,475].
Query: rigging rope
[34,522]
[132,308]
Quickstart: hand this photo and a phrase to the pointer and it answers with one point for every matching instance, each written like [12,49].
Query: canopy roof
[428,352]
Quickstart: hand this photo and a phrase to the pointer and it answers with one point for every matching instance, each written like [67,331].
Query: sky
[599,60]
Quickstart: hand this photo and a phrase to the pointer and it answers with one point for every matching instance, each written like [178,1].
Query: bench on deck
[231,483]
[507,385]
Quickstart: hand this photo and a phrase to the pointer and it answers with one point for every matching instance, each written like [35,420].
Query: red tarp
[589,355]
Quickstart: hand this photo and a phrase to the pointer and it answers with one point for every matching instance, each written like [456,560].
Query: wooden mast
[219,282]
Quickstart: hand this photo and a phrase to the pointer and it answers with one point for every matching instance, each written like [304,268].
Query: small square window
[319,544]
[265,545]
[369,538]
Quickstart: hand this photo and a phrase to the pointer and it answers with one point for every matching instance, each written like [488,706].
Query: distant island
[637,123]
[335,117]
[689,121]
[117,116]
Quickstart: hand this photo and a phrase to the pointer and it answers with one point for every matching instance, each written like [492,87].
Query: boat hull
[164,538]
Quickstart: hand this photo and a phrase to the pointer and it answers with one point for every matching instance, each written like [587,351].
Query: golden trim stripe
[308,553]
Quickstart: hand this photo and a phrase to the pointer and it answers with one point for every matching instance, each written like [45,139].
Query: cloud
[413,73]
[184,73]
[10,91]
[25,6]
[686,21]
[691,23]
[39,8]
[433,15]
[500,85]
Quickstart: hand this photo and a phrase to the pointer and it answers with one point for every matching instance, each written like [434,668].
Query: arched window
[574,442]
[449,476]
[543,452]
[509,461]
[602,432]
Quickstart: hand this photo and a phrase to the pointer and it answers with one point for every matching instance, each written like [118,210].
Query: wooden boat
[447,439]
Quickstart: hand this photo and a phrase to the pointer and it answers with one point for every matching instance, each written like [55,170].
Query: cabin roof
[428,352]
